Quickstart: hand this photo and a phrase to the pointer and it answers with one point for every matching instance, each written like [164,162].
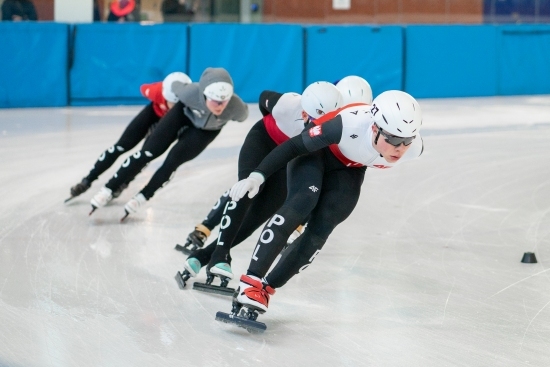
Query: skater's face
[216,107]
[170,104]
[389,152]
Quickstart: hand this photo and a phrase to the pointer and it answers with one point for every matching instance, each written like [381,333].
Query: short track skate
[242,318]
[78,189]
[191,244]
[182,278]
[217,289]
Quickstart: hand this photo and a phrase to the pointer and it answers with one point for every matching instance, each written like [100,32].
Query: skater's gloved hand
[251,184]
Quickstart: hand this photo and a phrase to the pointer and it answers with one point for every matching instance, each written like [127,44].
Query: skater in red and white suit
[279,109]
[162,100]
[284,117]
[324,184]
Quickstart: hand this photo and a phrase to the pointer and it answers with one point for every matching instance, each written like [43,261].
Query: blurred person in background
[162,100]
[97,13]
[18,10]
[121,11]
[178,10]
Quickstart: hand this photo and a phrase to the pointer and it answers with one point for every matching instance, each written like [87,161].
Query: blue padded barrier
[112,60]
[258,56]
[33,65]
[451,61]
[374,53]
[524,62]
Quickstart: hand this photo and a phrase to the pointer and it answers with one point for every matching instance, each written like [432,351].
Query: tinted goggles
[396,140]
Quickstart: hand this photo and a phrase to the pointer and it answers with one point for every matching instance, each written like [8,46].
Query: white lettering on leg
[254,257]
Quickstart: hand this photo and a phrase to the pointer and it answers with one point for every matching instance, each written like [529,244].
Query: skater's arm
[237,109]
[310,140]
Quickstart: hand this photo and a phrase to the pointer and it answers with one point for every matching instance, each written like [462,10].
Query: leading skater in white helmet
[325,185]
[162,100]
[284,116]
[201,111]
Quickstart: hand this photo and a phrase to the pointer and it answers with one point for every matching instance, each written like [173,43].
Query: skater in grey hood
[211,103]
[194,122]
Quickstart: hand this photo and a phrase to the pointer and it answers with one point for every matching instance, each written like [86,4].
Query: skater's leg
[196,239]
[341,189]
[132,135]
[257,145]
[214,217]
[129,139]
[190,144]
[266,204]
[305,178]
[159,141]
[161,138]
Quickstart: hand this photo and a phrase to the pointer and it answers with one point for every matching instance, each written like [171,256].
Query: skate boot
[79,189]
[133,205]
[101,198]
[191,267]
[252,294]
[195,240]
[221,270]
[118,191]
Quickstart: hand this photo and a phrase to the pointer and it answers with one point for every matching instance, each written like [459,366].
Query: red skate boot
[253,293]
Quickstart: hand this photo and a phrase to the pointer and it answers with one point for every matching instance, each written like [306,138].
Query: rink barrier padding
[46,64]
[451,61]
[374,53]
[33,64]
[258,56]
[111,60]
[524,62]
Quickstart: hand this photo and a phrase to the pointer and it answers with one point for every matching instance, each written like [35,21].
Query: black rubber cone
[529,258]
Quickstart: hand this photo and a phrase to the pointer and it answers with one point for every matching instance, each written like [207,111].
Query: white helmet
[397,112]
[167,85]
[219,91]
[355,89]
[320,98]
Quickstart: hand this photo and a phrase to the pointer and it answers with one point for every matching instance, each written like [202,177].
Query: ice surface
[425,272]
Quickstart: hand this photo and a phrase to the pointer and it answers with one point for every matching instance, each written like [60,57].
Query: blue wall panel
[374,53]
[524,63]
[112,60]
[451,61]
[33,65]
[257,56]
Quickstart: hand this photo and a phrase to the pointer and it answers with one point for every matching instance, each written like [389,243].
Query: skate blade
[68,199]
[182,249]
[93,209]
[254,327]
[209,288]
[180,280]
[125,216]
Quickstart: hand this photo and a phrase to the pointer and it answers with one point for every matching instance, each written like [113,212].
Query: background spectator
[97,13]
[16,10]
[178,10]
[121,10]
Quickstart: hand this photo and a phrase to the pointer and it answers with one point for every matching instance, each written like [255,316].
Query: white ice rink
[425,272]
